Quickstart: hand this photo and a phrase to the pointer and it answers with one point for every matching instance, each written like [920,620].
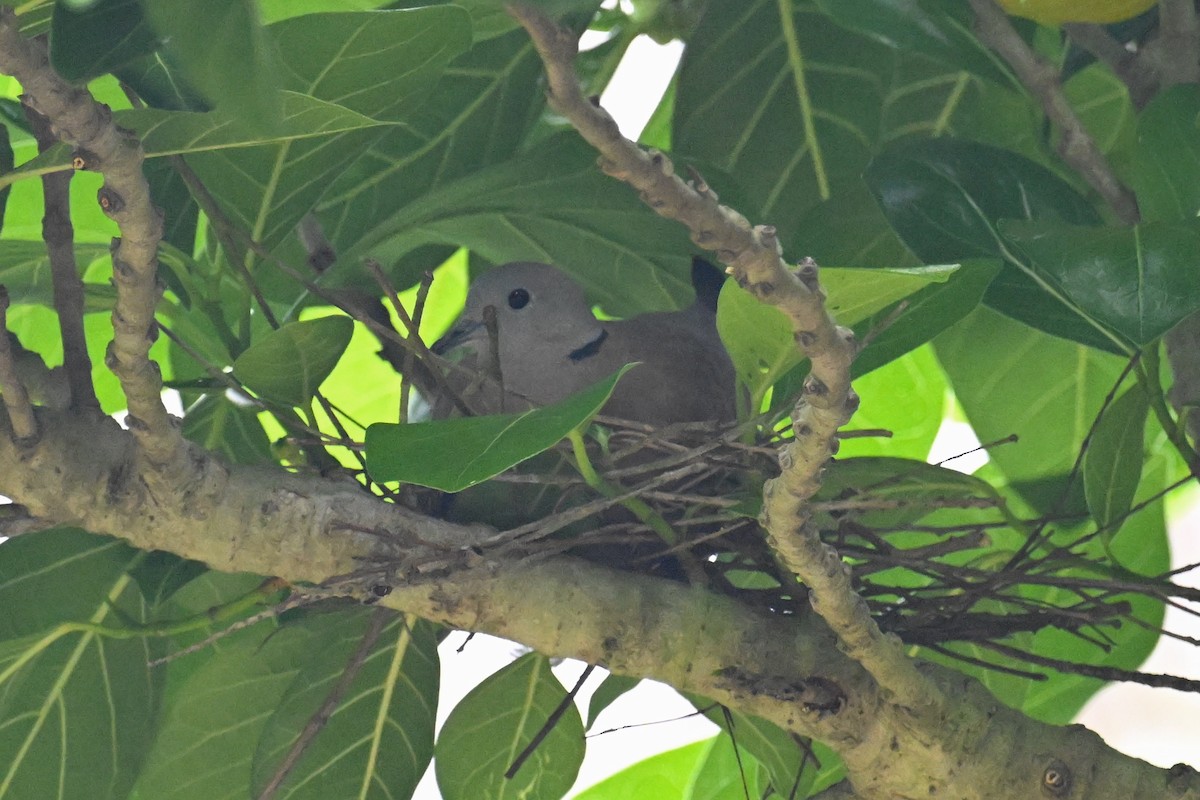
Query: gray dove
[549,345]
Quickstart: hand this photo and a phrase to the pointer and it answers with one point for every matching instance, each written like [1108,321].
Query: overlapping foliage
[878,137]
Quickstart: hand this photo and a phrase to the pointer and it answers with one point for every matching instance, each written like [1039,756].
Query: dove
[549,345]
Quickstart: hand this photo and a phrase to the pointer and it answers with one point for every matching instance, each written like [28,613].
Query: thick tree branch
[1077,147]
[99,145]
[785,669]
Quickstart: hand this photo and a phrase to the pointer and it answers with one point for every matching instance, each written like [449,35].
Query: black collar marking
[590,349]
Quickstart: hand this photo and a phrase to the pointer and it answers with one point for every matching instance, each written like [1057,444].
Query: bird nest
[682,503]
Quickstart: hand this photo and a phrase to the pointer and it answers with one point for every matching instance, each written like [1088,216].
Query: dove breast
[549,345]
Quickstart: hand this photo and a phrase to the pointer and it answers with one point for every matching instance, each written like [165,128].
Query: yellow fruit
[1056,12]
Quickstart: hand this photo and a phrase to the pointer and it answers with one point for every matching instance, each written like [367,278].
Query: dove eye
[518,299]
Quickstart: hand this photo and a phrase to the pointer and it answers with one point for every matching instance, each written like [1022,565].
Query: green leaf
[1167,155]
[937,29]
[6,165]
[926,314]
[759,337]
[549,205]
[905,397]
[485,103]
[221,426]
[492,725]
[87,41]
[666,776]
[729,773]
[78,708]
[1012,379]
[796,121]
[288,365]
[379,739]
[236,71]
[218,708]
[1112,465]
[25,272]
[945,199]
[452,454]
[944,196]
[609,690]
[1138,282]
[380,64]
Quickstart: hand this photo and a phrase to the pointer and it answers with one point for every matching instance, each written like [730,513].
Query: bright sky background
[1158,725]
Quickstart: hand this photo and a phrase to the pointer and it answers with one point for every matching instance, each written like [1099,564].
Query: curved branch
[753,256]
[1040,78]
[125,197]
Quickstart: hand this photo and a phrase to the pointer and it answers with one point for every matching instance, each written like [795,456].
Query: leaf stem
[638,507]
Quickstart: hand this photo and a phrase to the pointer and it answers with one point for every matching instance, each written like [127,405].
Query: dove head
[542,317]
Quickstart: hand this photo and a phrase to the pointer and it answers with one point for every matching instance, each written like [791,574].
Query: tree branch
[125,197]
[1039,77]
[59,236]
[1176,50]
[16,399]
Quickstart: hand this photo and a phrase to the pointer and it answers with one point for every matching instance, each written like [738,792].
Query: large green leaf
[452,454]
[236,71]
[89,40]
[484,104]
[783,98]
[1112,465]
[25,273]
[945,199]
[906,398]
[288,365]
[221,426]
[759,337]
[926,314]
[219,706]
[378,64]
[1167,156]
[666,776]
[486,732]
[550,204]
[938,29]
[1012,379]
[1137,282]
[379,739]
[166,133]
[77,709]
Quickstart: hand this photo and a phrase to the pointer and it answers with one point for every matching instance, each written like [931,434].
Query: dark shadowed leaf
[452,454]
[287,365]
[945,198]
[237,70]
[87,41]
[939,29]
[219,425]
[1167,156]
[1137,282]
[492,725]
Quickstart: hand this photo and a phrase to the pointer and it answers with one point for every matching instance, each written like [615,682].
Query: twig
[16,399]
[551,721]
[320,718]
[59,236]
[125,198]
[1040,78]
